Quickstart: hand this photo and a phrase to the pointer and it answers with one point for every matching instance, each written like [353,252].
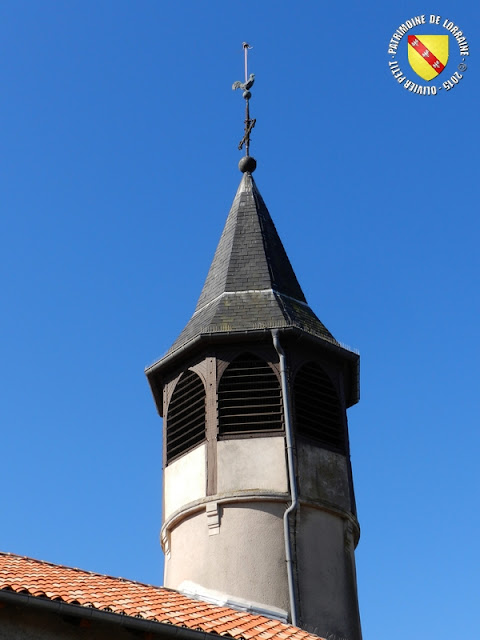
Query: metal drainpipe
[291,475]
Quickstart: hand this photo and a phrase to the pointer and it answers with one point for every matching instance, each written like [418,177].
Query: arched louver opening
[186,415]
[249,397]
[318,412]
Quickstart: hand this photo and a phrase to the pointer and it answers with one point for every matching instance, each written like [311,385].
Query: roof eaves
[161,629]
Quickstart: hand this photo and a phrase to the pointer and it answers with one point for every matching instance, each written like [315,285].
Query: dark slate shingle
[251,284]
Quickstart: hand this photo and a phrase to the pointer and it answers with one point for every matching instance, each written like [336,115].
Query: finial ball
[247,164]
[247,95]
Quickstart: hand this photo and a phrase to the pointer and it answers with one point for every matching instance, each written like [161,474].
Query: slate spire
[251,284]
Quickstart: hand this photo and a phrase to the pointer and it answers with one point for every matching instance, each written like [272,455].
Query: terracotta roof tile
[121,596]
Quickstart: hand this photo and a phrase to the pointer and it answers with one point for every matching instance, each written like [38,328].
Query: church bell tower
[258,500]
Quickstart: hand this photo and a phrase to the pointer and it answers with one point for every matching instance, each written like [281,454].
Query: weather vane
[247,163]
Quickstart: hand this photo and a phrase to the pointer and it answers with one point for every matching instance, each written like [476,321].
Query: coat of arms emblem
[428,55]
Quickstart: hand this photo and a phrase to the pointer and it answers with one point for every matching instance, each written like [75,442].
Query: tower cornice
[160,370]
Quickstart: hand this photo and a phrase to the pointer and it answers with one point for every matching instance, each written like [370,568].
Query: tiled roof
[104,593]
[251,284]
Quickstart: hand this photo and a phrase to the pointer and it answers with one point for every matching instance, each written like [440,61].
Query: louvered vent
[186,415]
[318,413]
[249,397]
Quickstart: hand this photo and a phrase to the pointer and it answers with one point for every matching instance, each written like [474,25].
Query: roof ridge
[240,291]
[84,571]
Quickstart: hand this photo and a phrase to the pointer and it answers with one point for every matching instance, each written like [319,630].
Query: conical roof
[251,284]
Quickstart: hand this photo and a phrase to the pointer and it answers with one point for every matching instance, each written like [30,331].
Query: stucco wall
[245,559]
[18,622]
[326,574]
[323,475]
[251,463]
[185,480]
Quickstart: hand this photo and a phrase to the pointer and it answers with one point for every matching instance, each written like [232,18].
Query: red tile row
[43,579]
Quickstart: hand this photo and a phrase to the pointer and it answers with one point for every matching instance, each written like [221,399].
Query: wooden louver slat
[185,424]
[249,397]
[318,412]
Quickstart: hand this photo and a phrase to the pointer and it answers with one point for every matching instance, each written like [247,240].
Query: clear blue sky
[118,139]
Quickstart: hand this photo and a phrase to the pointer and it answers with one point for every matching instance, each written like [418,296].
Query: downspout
[291,475]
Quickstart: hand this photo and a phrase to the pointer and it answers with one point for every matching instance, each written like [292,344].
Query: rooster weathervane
[248,163]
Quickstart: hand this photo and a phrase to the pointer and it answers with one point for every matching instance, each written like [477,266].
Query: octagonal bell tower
[258,501]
